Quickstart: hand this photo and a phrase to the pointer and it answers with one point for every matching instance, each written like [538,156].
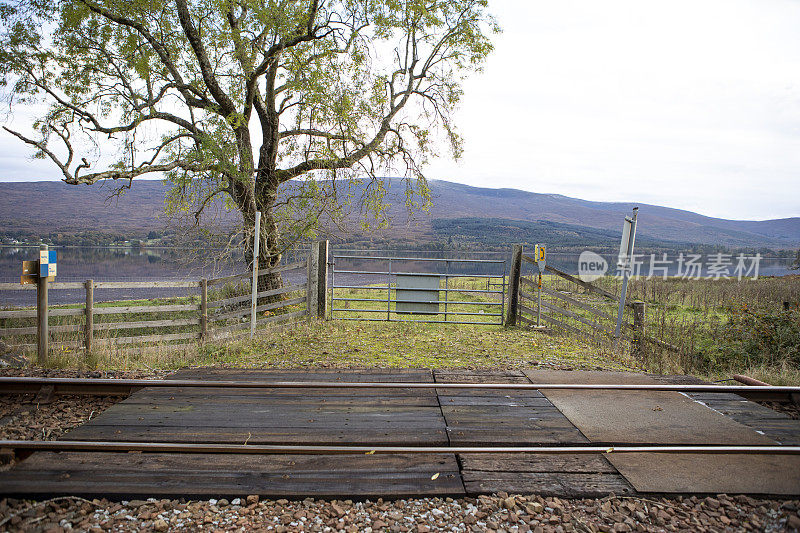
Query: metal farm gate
[416,289]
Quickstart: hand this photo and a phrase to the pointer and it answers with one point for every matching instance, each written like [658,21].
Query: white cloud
[687,103]
[692,104]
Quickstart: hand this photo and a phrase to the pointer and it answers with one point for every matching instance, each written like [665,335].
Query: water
[150,264]
[114,263]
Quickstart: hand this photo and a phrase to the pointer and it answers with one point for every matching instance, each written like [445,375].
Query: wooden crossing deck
[392,416]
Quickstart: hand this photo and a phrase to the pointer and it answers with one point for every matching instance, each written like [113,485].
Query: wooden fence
[211,310]
[570,304]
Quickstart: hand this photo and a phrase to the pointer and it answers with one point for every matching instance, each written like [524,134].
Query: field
[718,327]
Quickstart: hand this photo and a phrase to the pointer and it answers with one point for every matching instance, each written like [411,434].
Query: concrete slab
[649,417]
[714,474]
[654,417]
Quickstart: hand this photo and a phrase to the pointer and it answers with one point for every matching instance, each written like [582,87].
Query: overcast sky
[689,104]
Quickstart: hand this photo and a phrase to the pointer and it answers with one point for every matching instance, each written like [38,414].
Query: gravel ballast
[499,512]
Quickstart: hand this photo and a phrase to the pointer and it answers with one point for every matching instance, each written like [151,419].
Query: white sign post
[625,263]
[256,239]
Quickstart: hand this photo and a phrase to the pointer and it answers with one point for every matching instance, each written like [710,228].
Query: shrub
[755,337]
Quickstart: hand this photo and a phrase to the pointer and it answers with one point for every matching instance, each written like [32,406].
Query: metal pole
[256,239]
[626,272]
[43,333]
[539,305]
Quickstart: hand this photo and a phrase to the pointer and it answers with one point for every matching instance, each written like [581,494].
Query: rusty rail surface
[261,449]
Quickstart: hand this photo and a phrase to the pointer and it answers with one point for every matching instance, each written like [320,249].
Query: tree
[269,104]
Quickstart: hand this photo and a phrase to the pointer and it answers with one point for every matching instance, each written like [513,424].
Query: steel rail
[9,382]
[176,447]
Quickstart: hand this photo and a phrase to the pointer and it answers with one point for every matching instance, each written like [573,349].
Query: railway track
[124,387]
[429,432]
[114,387]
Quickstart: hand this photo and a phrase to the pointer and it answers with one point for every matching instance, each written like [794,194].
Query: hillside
[50,209]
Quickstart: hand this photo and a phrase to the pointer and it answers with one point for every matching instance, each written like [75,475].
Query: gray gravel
[500,513]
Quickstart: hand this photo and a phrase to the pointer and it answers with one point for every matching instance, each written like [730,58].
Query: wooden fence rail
[563,309]
[198,318]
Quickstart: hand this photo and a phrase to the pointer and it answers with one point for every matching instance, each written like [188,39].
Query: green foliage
[754,338]
[238,99]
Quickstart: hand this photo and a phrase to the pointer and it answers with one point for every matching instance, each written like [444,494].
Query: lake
[115,263]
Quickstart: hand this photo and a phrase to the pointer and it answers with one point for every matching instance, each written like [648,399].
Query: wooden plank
[299,435]
[65,285]
[584,284]
[15,287]
[535,462]
[263,294]
[228,279]
[18,313]
[147,324]
[121,310]
[140,284]
[75,311]
[18,331]
[121,475]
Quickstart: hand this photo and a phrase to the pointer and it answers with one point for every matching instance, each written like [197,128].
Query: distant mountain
[476,214]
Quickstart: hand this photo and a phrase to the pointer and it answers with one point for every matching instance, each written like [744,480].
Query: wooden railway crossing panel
[412,417]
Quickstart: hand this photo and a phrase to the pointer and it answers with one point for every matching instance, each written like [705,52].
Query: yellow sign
[541,256]
[30,272]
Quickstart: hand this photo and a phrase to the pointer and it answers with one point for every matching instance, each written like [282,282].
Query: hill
[475,215]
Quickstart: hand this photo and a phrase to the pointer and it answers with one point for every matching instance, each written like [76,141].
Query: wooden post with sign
[42,330]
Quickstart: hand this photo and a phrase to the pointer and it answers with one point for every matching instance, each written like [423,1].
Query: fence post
[42,331]
[312,289]
[203,309]
[322,280]
[638,330]
[88,334]
[513,285]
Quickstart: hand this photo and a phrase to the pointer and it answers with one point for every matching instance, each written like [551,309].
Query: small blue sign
[48,259]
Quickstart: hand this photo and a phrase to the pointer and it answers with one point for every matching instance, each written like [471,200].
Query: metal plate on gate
[417,294]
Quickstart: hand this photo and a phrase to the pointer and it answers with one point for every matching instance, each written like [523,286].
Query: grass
[337,344]
[693,315]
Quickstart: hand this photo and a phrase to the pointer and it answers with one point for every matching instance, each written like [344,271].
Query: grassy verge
[330,344]
[721,328]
